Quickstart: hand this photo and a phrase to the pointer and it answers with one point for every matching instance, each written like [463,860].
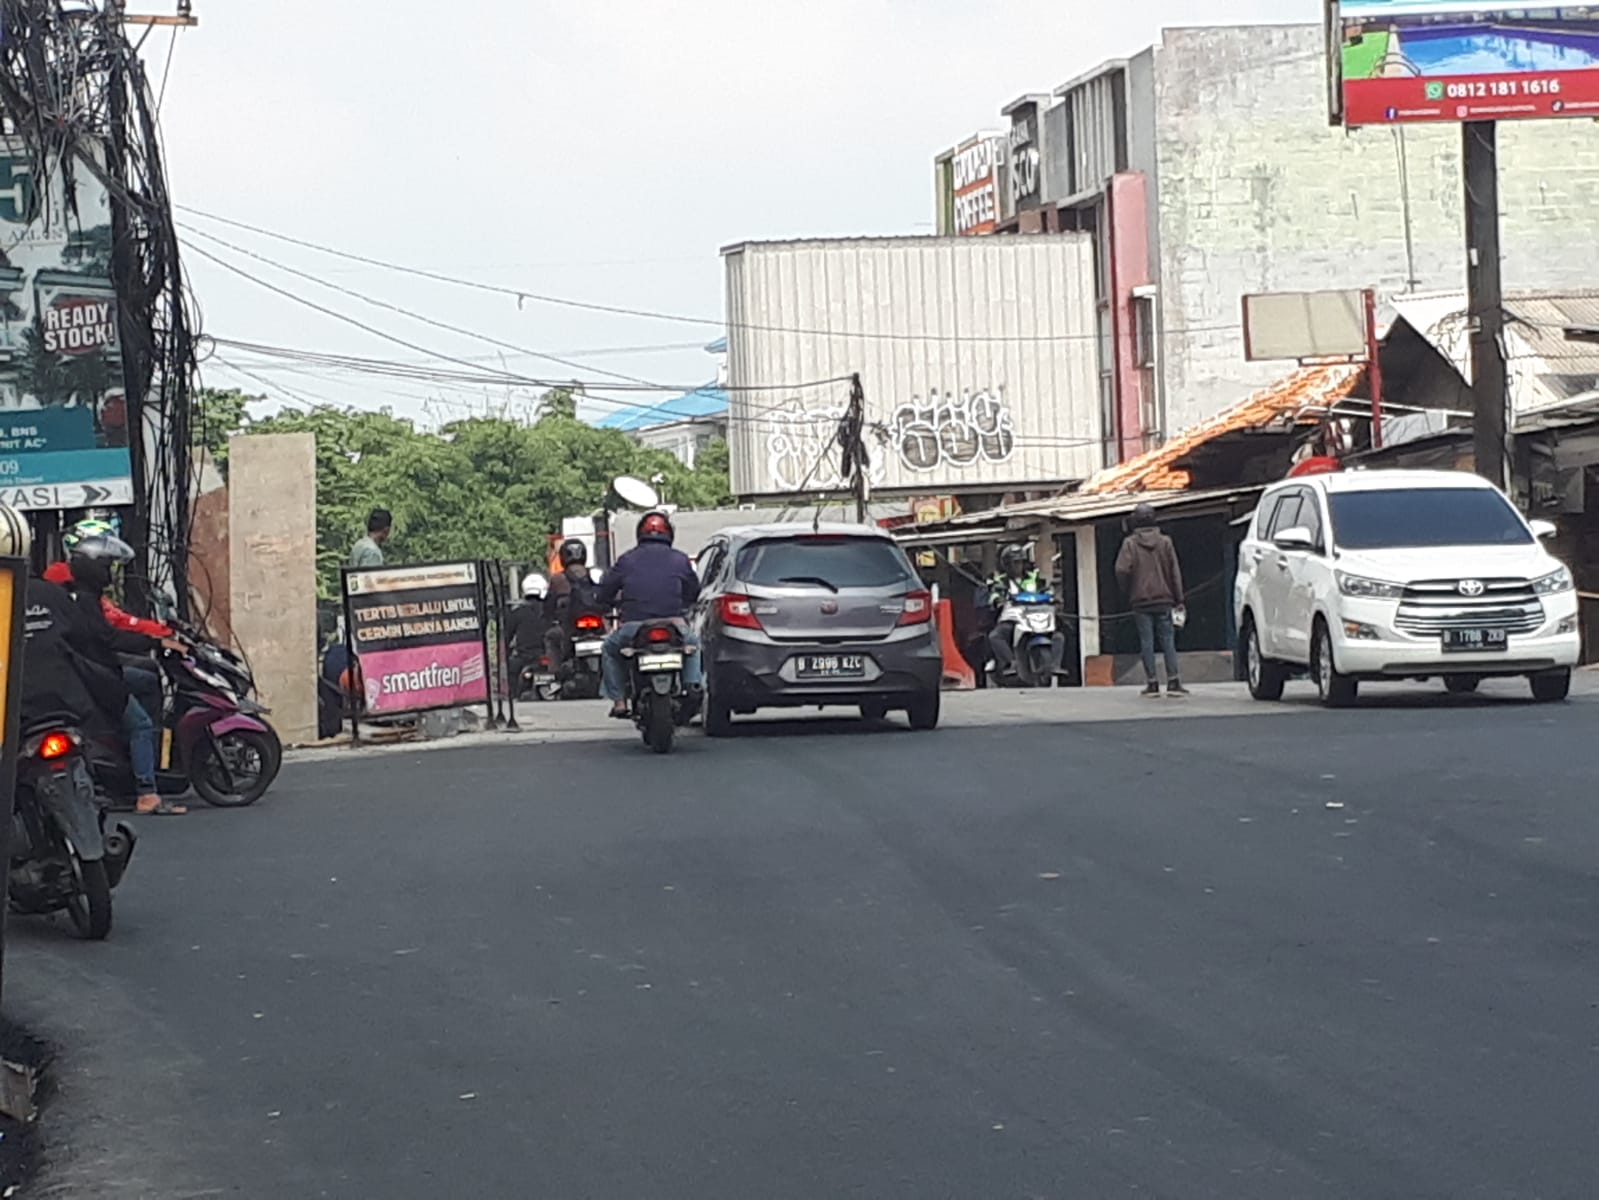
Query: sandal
[165,808]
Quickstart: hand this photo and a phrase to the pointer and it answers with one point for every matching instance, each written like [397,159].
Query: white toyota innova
[1365,575]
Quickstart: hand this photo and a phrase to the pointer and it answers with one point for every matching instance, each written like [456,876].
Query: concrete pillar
[272,572]
[1088,595]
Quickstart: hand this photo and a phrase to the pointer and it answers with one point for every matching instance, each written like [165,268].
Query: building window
[1144,330]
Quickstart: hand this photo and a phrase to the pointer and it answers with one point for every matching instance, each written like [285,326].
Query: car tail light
[739,612]
[918,608]
[55,745]
[589,621]
[659,634]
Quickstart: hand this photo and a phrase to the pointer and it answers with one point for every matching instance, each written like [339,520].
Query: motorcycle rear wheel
[90,909]
[253,763]
[660,726]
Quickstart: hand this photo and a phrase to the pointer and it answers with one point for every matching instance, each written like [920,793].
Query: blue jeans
[144,745]
[613,671]
[1150,625]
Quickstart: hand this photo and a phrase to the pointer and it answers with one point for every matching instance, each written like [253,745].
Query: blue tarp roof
[708,401]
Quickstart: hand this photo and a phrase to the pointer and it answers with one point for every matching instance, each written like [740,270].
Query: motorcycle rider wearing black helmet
[571,595]
[653,582]
[93,561]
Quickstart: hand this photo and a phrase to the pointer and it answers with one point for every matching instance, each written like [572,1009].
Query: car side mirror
[1543,529]
[1297,538]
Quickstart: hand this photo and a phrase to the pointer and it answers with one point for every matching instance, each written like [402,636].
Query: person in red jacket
[120,618]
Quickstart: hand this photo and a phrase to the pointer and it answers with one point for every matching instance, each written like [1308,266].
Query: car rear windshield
[824,561]
[1425,517]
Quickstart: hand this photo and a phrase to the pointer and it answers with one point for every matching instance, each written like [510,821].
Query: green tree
[478,488]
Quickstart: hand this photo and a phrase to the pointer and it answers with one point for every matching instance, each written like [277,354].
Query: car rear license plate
[1467,641]
[832,666]
[660,662]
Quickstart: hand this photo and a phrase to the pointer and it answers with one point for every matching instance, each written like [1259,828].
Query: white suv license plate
[1475,641]
[660,662]
[831,666]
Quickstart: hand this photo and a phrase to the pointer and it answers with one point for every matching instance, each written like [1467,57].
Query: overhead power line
[523,294]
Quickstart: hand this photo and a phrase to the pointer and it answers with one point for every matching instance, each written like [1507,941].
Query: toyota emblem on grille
[1472,587]
[829,607]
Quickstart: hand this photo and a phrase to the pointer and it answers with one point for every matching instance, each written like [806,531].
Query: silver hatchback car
[791,616]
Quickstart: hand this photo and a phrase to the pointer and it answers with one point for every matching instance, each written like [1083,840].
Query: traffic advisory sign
[418,636]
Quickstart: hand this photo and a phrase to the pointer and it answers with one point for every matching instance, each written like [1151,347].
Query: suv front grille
[1434,605]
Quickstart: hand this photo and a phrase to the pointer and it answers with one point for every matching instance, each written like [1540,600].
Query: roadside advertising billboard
[1410,61]
[64,424]
[419,635]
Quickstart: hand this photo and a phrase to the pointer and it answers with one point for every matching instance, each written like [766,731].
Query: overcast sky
[601,151]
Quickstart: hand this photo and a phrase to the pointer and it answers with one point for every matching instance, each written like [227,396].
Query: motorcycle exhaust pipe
[119,844]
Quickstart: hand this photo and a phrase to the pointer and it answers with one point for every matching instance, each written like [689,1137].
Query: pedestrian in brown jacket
[1152,580]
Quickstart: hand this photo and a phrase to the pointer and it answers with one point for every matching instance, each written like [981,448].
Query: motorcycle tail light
[918,609]
[588,621]
[659,634]
[55,745]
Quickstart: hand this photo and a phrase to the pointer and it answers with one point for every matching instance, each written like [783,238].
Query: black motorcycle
[62,855]
[656,697]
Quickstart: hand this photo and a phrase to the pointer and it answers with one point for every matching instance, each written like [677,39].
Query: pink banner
[417,677]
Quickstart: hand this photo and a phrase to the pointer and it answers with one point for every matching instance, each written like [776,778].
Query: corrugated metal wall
[977,355]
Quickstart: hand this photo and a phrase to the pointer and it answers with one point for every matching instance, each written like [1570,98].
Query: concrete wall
[1257,193]
[272,540]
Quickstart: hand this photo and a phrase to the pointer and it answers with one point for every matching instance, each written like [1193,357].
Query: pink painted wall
[1129,268]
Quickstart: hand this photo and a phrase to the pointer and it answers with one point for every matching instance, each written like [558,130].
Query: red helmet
[655,525]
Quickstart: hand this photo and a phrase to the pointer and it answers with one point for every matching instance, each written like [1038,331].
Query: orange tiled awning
[1310,391]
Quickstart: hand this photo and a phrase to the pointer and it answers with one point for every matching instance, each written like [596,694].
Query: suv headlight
[1555,581]
[1368,589]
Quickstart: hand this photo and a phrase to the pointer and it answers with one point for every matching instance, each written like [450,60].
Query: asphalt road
[1179,951]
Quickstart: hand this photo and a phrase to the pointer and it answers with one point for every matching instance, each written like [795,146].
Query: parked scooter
[1037,646]
[62,855]
[656,697]
[216,740]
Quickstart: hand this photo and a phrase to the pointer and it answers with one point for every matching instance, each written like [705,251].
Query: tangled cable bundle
[75,96]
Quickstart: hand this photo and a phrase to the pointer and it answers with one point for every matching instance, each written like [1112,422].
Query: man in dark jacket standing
[654,582]
[1152,580]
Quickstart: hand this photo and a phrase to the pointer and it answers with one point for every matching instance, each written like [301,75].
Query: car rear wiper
[816,579]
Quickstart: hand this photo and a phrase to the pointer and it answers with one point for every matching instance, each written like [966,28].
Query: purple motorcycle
[216,737]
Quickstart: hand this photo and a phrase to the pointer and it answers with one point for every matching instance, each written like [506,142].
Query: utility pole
[852,442]
[1485,301]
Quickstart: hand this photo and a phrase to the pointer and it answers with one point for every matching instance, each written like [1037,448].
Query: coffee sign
[976,171]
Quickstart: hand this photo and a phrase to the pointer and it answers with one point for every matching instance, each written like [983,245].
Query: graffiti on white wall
[945,432]
[951,431]
[802,450]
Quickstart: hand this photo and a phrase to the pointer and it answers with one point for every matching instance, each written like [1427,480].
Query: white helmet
[535,587]
[16,535]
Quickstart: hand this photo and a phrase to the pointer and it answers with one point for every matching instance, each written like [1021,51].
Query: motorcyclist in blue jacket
[653,582]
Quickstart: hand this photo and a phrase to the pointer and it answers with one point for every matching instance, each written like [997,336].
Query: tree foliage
[479,488]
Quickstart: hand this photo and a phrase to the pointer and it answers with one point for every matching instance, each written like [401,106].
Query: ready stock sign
[977,187]
[79,326]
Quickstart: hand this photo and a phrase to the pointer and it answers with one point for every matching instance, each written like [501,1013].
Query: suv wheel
[1335,690]
[1551,687]
[1265,677]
